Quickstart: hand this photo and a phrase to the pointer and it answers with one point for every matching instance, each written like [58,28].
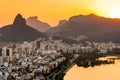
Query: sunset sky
[51,11]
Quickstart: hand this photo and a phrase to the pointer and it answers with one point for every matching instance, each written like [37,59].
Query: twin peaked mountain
[19,31]
[81,27]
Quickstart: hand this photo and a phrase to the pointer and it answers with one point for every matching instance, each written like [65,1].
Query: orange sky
[52,11]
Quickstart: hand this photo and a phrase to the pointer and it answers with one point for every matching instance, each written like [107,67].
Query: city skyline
[54,10]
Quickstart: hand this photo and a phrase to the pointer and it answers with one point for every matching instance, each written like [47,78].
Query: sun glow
[51,11]
[115,13]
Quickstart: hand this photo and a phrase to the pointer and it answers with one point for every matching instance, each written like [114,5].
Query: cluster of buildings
[105,47]
[30,60]
[89,47]
[33,60]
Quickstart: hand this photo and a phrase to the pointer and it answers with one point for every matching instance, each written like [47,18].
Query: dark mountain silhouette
[37,24]
[19,31]
[90,27]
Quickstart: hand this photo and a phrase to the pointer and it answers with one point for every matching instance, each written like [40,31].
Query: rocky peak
[35,23]
[19,20]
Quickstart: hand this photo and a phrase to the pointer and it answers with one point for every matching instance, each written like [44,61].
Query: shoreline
[72,64]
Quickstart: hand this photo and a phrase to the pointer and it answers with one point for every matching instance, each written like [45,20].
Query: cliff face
[37,24]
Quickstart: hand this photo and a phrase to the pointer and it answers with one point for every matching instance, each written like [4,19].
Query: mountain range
[79,28]
[19,31]
[88,28]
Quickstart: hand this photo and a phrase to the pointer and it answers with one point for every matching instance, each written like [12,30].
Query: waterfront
[50,59]
[102,72]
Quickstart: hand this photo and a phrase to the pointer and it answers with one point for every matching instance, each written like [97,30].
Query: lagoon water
[102,72]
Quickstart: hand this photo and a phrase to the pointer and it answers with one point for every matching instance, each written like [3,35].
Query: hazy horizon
[61,19]
[54,10]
